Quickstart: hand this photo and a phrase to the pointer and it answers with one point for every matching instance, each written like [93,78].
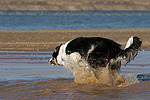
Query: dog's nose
[52,62]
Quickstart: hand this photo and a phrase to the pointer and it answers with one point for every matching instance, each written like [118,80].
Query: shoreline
[37,40]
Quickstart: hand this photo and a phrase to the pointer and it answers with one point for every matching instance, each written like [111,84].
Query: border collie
[95,52]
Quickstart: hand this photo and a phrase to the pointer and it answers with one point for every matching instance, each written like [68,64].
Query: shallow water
[67,89]
[35,20]
[27,75]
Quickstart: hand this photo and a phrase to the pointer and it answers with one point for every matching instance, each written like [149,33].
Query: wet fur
[95,59]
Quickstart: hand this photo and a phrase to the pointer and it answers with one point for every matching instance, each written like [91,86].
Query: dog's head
[53,60]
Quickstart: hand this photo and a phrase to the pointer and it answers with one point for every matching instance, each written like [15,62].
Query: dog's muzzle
[52,61]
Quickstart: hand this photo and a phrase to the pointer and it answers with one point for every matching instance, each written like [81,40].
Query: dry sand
[74,5]
[48,39]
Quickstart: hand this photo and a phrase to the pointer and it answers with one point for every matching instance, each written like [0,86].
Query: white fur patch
[90,50]
[129,42]
[73,60]
[61,58]
[75,56]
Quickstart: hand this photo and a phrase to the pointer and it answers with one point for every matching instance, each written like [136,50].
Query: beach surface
[74,5]
[49,39]
[27,75]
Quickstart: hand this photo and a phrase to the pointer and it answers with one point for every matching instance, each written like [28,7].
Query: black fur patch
[104,50]
[56,51]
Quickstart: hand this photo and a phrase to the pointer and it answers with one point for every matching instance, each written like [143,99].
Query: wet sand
[27,75]
[66,89]
[48,39]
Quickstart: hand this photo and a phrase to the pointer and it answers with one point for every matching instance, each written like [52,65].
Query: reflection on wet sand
[31,77]
[68,89]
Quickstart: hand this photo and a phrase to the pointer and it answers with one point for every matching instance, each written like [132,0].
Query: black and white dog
[97,52]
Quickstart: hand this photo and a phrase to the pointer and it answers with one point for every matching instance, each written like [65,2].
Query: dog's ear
[56,51]
[57,48]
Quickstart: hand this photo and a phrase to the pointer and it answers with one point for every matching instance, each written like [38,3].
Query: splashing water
[84,73]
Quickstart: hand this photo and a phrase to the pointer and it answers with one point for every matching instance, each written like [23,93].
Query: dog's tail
[131,49]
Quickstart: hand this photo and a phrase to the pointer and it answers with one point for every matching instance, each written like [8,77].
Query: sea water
[35,20]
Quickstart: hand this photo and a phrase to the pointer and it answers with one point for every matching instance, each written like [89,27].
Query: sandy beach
[26,74]
[48,39]
[74,5]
